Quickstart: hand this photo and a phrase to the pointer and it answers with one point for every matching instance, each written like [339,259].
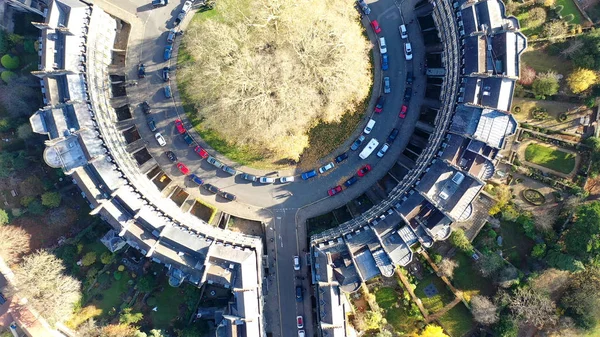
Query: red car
[334,190]
[403,111]
[183,168]
[364,170]
[380,103]
[179,125]
[201,152]
[375,26]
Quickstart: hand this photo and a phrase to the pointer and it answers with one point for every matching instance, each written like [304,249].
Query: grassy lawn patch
[549,157]
[570,8]
[436,302]
[111,297]
[467,279]
[457,321]
[402,322]
[171,303]
[386,297]
[516,246]
[541,61]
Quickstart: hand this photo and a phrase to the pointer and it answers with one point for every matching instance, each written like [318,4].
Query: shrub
[536,17]
[121,267]
[117,275]
[562,117]
[9,62]
[8,76]
[51,199]
[106,258]
[103,278]
[539,250]
[36,207]
[91,273]
[437,258]
[517,109]
[88,259]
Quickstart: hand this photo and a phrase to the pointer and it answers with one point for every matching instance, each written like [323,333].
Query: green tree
[490,264]
[51,199]
[582,298]
[36,208]
[3,217]
[128,318]
[459,239]
[581,79]
[9,62]
[582,240]
[539,250]
[8,76]
[146,283]
[546,84]
[107,258]
[24,131]
[506,327]
[88,259]
[562,261]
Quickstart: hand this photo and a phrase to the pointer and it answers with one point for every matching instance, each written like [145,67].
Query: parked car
[375,26]
[186,6]
[266,180]
[201,152]
[229,169]
[403,111]
[369,127]
[301,333]
[160,139]
[379,105]
[171,36]
[364,170]
[2,299]
[179,18]
[309,174]
[211,188]
[326,167]
[334,191]
[408,51]
[167,53]
[179,126]
[357,143]
[159,3]
[392,136]
[184,169]
[409,78]
[383,150]
[407,94]
[168,91]
[350,181]
[299,296]
[403,31]
[297,267]
[285,180]
[341,157]
[364,7]
[228,196]
[386,85]
[196,179]
[382,45]
[214,162]
[171,155]
[141,70]
[166,74]
[188,139]
[249,177]
[384,62]
[152,124]
[145,107]
[299,322]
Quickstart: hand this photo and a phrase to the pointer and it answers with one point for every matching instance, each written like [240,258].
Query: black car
[357,142]
[165,74]
[145,107]
[152,124]
[299,296]
[341,157]
[407,94]
[350,181]
[227,196]
[141,70]
[188,139]
[380,103]
[159,3]
[392,136]
[409,78]
[2,299]
[211,188]
[171,155]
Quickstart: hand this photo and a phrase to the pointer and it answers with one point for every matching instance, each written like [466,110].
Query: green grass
[112,296]
[168,302]
[551,158]
[467,279]
[437,302]
[386,297]
[401,321]
[457,321]
[516,246]
[570,8]
[541,61]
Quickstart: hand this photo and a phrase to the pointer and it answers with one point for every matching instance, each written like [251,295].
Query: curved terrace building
[472,53]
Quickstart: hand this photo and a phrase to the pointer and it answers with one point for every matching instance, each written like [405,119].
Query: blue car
[196,179]
[350,181]
[168,91]
[384,62]
[309,174]
[168,50]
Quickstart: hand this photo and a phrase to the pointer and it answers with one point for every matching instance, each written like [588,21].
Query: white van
[369,126]
[366,152]
[382,45]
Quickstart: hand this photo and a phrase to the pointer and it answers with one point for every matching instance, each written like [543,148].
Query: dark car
[152,124]
[227,196]
[407,94]
[145,107]
[392,136]
[409,78]
[171,36]
[357,142]
[171,155]
[309,174]
[141,70]
[168,51]
[165,74]
[350,181]
[188,139]
[179,18]
[211,188]
[299,296]
[380,103]
[249,177]
[341,157]
[2,299]
[384,62]
[196,179]
[159,3]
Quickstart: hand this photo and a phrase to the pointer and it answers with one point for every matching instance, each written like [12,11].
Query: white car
[383,150]
[266,180]
[301,333]
[186,6]
[326,168]
[160,139]
[382,45]
[408,51]
[403,32]
[369,126]
[299,322]
[297,264]
[285,180]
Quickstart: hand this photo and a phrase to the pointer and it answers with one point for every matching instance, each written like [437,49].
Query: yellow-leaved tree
[432,331]
[581,79]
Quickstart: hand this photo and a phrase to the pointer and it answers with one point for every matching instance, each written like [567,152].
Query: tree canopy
[3,217]
[582,298]
[51,199]
[546,84]
[583,239]
[459,239]
[433,331]
[581,79]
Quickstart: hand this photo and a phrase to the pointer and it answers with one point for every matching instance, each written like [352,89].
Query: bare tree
[275,69]
[574,45]
[484,311]
[40,278]
[533,307]
[14,242]
[527,75]
[446,267]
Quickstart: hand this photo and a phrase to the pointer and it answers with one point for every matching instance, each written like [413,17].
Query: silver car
[214,162]
[266,180]
[160,139]
[229,170]
[326,168]
[249,177]
[285,180]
